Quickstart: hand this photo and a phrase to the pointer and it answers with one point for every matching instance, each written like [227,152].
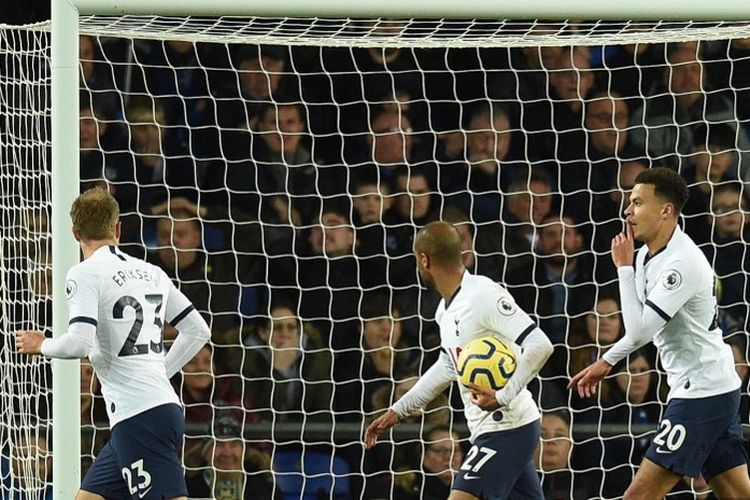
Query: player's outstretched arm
[434,381]
[75,344]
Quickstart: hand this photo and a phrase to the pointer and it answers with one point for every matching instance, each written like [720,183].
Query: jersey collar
[677,230]
[452,297]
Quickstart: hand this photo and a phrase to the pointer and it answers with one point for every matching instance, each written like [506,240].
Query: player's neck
[90,246]
[661,239]
[449,282]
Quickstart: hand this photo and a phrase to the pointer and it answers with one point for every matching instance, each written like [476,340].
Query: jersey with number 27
[678,284]
[128,301]
[483,308]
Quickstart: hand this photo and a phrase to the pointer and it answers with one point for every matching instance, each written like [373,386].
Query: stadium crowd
[282,187]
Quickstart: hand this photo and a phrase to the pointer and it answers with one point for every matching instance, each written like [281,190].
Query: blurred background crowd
[282,187]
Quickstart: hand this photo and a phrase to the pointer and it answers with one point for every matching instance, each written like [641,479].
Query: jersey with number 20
[127,300]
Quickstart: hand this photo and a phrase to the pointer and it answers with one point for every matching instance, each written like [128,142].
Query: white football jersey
[678,284]
[481,308]
[127,300]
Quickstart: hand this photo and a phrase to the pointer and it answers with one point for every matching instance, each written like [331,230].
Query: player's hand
[29,341]
[586,380]
[623,247]
[483,397]
[379,426]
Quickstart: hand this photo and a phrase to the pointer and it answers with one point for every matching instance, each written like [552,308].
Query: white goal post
[65,116]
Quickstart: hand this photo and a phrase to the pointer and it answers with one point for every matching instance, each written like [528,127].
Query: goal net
[278,170]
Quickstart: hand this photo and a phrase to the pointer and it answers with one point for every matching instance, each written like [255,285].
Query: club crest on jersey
[71,287]
[671,279]
[505,306]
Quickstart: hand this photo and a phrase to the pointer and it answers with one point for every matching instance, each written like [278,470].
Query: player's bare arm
[379,426]
[29,341]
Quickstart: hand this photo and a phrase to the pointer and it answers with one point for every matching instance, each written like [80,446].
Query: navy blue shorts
[140,460]
[499,465]
[700,436]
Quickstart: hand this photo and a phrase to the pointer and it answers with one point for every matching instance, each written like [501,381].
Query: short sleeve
[674,287]
[501,314]
[82,293]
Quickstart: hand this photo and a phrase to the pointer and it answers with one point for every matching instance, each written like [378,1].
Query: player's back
[127,299]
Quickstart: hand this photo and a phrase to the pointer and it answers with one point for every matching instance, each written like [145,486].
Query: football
[486,362]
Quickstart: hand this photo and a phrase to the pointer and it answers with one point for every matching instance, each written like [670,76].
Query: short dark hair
[668,185]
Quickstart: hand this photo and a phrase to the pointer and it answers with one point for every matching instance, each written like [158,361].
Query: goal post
[65,118]
[66,374]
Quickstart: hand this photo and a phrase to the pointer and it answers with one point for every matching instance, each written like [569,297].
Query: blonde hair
[95,214]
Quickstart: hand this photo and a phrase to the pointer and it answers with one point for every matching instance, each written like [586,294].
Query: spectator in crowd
[713,156]
[328,282]
[281,184]
[728,254]
[207,394]
[210,281]
[632,69]
[665,123]
[635,396]
[289,371]
[441,459]
[554,288]
[730,71]
[588,340]
[371,201]
[413,208]
[259,81]
[527,78]
[490,249]
[228,469]
[97,79]
[379,358]
[632,400]
[96,165]
[286,170]
[528,203]
[157,170]
[474,185]
[31,463]
[559,481]
[555,124]
[173,72]
[585,172]
[389,146]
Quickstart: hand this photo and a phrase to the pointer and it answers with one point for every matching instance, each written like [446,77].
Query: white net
[25,268]
[278,170]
